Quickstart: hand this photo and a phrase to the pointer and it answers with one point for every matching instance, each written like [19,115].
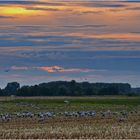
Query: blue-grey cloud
[24,2]
[6,17]
[133,8]
[85,26]
[43,9]
[102,4]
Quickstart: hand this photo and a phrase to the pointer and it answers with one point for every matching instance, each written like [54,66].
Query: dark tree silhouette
[65,88]
[11,88]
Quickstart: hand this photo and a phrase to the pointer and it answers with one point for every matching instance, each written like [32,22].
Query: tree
[1,92]
[65,88]
[12,88]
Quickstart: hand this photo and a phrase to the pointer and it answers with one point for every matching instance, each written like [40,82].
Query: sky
[51,40]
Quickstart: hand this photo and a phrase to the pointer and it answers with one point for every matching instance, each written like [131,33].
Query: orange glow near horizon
[16,10]
[105,13]
[121,36]
[68,13]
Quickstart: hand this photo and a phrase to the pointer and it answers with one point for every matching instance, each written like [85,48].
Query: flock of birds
[42,116]
[5,117]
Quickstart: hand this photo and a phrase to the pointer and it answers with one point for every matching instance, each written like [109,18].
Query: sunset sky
[50,40]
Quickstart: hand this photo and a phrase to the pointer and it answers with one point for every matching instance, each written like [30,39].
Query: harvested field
[113,118]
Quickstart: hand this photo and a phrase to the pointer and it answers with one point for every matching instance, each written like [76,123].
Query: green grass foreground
[74,103]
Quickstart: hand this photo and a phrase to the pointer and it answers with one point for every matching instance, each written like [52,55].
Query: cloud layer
[50,40]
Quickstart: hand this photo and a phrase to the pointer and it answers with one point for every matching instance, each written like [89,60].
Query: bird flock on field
[42,116]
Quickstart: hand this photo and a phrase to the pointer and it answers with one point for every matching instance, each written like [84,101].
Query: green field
[75,103]
[72,127]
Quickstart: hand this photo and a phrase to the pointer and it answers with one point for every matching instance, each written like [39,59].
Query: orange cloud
[52,69]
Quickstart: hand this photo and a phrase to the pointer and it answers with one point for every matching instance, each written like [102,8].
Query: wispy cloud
[133,8]
[85,26]
[25,2]
[53,69]
[18,68]
[6,17]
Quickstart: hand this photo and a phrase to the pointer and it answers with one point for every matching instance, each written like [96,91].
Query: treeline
[65,88]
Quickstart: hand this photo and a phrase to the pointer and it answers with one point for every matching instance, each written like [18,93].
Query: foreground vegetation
[72,128]
[112,125]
